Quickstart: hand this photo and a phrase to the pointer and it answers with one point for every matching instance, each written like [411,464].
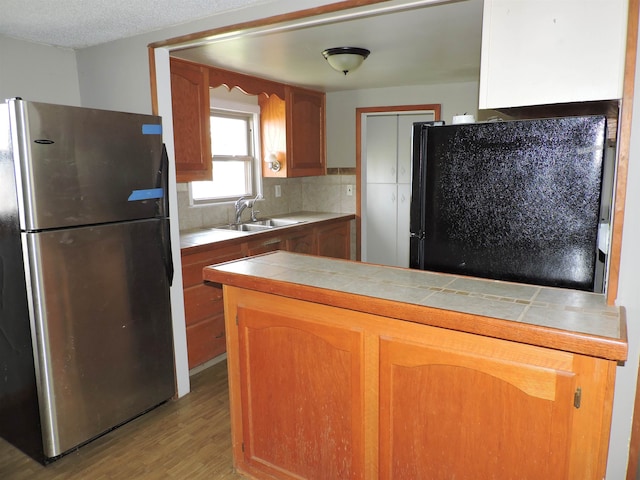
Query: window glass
[229,135]
[232,146]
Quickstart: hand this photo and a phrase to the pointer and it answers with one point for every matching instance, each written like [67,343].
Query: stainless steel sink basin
[274,222]
[259,225]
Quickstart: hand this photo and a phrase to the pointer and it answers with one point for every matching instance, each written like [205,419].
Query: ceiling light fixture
[345,59]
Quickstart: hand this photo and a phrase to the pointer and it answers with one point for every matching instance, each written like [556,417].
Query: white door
[382,207]
[382,149]
[386,163]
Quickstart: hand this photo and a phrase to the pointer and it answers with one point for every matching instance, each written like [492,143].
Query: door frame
[361,114]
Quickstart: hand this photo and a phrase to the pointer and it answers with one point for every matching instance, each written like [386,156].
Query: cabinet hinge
[242,447]
[577,397]
[236,319]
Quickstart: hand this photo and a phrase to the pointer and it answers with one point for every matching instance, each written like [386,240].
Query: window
[235,169]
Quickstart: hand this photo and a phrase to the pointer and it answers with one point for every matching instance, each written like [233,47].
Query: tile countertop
[570,320]
[208,235]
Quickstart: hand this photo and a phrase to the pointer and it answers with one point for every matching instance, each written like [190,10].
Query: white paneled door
[387,197]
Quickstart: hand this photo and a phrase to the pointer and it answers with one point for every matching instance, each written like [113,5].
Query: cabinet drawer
[263,246]
[202,301]
[205,340]
[192,265]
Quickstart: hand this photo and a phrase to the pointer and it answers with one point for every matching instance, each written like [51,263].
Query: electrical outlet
[278,191]
[349,190]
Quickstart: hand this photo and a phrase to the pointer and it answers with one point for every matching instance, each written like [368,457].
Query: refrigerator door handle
[167,254]
[163,182]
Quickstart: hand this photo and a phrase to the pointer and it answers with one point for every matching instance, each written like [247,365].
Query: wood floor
[187,438]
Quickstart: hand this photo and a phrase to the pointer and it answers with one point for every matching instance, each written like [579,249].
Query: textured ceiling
[82,23]
[412,42]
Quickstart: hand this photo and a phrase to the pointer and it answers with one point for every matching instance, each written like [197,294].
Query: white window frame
[240,109]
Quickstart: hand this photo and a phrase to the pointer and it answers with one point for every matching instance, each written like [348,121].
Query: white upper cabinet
[537,52]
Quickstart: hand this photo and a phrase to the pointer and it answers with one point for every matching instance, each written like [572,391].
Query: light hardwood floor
[187,438]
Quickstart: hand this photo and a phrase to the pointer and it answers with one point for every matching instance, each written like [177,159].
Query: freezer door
[79,166]
[102,323]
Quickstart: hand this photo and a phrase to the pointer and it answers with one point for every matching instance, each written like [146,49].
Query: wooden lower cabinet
[204,311]
[334,240]
[303,416]
[454,414]
[323,392]
[264,245]
[303,242]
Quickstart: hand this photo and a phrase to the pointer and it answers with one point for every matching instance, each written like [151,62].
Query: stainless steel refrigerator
[86,338]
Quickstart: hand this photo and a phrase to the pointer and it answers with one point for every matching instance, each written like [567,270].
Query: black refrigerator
[515,200]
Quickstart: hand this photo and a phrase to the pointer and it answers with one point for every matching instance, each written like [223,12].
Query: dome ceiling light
[345,59]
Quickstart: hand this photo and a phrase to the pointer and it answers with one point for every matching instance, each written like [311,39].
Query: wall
[115,75]
[455,98]
[38,72]
[629,287]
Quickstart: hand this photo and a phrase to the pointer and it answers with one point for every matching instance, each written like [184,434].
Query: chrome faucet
[244,202]
[253,210]
[241,204]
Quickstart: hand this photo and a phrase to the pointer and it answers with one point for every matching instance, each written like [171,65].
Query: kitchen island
[339,369]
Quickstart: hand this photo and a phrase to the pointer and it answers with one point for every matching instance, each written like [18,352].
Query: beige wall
[455,98]
[38,72]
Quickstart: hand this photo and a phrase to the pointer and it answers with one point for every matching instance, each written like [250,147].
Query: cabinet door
[485,410]
[381,223]
[537,53]
[382,149]
[273,133]
[403,226]
[334,240]
[386,204]
[305,132]
[302,242]
[302,395]
[191,134]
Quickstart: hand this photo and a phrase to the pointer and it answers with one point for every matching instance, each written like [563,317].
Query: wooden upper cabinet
[305,129]
[540,53]
[293,129]
[191,134]
[292,121]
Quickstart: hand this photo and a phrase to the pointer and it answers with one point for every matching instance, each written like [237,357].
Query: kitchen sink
[259,225]
[274,222]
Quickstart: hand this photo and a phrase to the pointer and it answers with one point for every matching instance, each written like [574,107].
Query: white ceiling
[412,42]
[82,23]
